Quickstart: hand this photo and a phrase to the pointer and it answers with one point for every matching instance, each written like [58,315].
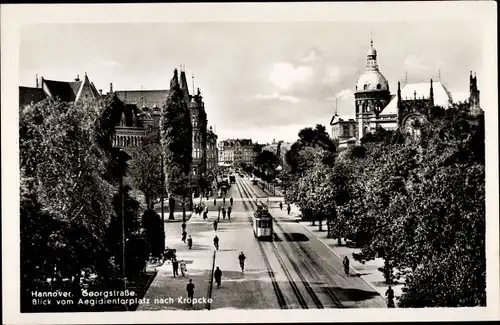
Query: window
[379,86]
[345,131]
[365,87]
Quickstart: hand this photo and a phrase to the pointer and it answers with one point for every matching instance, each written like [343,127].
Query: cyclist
[242,258]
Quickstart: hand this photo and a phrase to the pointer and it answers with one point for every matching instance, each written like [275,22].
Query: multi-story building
[375,107]
[236,151]
[66,91]
[142,111]
[212,151]
[279,148]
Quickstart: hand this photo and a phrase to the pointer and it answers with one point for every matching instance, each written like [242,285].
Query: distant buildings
[141,115]
[236,151]
[375,107]
[279,149]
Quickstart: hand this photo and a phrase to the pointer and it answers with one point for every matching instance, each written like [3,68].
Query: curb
[350,266]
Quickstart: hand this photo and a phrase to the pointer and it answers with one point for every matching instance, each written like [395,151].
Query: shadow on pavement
[352,294]
[293,236]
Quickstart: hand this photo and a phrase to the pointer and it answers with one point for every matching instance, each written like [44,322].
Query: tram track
[314,268]
[281,261]
[277,290]
[293,285]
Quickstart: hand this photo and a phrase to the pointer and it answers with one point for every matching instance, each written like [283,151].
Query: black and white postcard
[235,162]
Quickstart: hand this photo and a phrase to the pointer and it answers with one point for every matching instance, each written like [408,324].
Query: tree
[266,162]
[66,200]
[145,168]
[176,139]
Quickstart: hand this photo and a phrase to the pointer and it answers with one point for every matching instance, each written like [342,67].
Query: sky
[264,80]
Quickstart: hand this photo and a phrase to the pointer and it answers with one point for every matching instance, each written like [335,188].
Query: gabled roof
[149,98]
[442,97]
[28,95]
[66,91]
[338,118]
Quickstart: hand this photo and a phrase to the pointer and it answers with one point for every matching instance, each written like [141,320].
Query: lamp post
[162,198]
[122,210]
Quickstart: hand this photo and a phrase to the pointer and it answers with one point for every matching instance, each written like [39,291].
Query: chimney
[77,78]
[110,87]
[36,80]
[100,91]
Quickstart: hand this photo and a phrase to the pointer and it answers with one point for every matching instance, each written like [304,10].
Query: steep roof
[184,87]
[442,97]
[67,91]
[28,95]
[149,98]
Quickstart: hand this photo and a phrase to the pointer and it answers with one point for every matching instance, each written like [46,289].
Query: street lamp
[122,199]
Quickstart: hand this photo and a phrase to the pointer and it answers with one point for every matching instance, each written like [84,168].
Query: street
[295,271]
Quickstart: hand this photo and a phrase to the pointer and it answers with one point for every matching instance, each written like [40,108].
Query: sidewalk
[367,271]
[165,290]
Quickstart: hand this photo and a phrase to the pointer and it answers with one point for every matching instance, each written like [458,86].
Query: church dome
[372,80]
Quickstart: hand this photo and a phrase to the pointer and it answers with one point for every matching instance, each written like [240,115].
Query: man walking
[346,265]
[390,297]
[218,277]
[175,266]
[231,201]
[190,291]
[229,209]
[215,225]
[281,205]
[223,213]
[215,202]
[184,234]
[190,242]
[219,209]
[216,242]
[288,209]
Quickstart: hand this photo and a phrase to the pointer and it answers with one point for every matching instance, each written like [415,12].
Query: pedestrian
[281,205]
[390,297]
[223,213]
[183,226]
[231,201]
[190,291]
[215,225]
[218,276]
[183,267]
[190,242]
[216,242]
[346,265]
[288,208]
[175,266]
[224,200]
[219,210]
[242,258]
[229,212]
[184,234]
[215,201]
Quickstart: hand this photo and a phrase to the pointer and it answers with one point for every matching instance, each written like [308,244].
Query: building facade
[233,152]
[375,107]
[212,151]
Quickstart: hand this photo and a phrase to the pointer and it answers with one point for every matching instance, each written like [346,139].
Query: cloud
[344,94]
[413,63]
[107,63]
[312,56]
[332,75]
[276,96]
[284,74]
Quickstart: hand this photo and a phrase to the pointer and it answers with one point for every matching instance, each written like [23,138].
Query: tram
[262,222]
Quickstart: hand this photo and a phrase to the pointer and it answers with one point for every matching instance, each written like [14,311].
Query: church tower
[474,95]
[372,94]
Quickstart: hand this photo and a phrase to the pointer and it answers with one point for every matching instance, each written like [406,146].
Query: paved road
[295,271]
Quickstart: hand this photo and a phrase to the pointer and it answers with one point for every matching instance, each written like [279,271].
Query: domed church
[375,107]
